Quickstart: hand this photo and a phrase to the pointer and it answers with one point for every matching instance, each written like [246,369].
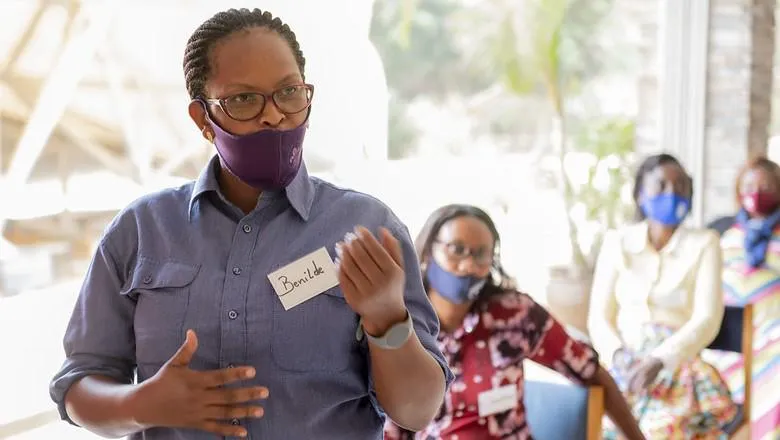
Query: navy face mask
[456,289]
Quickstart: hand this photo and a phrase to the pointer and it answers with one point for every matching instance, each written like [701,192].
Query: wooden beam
[137,147]
[57,91]
[24,237]
[131,85]
[30,423]
[24,40]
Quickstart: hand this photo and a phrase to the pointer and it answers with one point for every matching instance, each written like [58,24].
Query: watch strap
[395,337]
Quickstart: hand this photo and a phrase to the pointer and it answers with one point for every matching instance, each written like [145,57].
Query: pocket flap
[151,275]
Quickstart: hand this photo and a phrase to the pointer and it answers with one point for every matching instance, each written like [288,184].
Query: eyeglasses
[458,252]
[247,106]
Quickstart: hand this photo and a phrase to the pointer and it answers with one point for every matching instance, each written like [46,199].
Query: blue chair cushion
[556,411]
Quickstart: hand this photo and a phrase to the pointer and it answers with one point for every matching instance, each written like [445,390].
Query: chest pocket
[161,291]
[317,335]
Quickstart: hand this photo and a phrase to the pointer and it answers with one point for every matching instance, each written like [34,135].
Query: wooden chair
[558,411]
[736,336]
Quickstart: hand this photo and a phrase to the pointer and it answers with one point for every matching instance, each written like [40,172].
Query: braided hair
[197,65]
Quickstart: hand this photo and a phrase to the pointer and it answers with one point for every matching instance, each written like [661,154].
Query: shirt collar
[637,240]
[300,192]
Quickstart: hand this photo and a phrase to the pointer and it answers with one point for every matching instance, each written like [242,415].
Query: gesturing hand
[179,397]
[372,277]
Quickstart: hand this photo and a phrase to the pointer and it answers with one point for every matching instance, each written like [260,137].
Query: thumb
[185,353]
[392,246]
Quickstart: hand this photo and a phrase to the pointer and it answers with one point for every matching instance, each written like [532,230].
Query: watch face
[397,334]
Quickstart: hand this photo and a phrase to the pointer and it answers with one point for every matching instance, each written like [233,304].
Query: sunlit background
[419,103]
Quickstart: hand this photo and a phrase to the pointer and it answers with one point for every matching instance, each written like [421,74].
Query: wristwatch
[395,337]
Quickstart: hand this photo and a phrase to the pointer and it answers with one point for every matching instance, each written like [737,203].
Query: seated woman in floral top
[488,328]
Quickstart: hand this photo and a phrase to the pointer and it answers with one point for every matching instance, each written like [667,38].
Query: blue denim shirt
[186,258]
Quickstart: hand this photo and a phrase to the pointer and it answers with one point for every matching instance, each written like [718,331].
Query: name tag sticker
[497,400]
[304,278]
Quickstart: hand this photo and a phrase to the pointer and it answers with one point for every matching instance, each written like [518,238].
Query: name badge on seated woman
[497,400]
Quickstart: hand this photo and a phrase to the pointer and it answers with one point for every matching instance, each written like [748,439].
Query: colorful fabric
[692,402]
[765,408]
[760,287]
[743,284]
[487,352]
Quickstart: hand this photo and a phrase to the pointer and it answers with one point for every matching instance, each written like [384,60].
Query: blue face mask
[667,209]
[456,289]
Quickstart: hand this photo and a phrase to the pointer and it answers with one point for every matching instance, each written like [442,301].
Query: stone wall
[739,90]
[728,102]
[738,95]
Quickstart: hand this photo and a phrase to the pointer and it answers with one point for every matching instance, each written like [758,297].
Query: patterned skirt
[691,403]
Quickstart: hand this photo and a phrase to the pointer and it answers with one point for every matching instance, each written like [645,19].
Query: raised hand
[179,397]
[372,277]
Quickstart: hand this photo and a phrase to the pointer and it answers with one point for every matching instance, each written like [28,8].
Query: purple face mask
[266,160]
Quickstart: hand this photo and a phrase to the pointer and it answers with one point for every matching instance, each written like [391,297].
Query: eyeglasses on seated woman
[488,329]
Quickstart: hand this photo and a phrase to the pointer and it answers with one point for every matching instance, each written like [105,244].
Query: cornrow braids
[197,66]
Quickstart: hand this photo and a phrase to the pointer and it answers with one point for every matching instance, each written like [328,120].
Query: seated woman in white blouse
[656,304]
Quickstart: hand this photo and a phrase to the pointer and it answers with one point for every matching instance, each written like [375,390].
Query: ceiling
[97,86]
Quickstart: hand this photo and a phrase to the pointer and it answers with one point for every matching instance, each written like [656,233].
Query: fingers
[233,396]
[227,412]
[350,269]
[363,261]
[346,284]
[379,254]
[360,255]
[183,356]
[639,379]
[632,378]
[392,246]
[222,429]
[215,378]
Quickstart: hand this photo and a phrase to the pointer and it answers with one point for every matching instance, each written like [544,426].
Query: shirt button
[247,228]
[477,379]
[235,422]
[232,314]
[147,279]
[481,421]
[480,344]
[236,271]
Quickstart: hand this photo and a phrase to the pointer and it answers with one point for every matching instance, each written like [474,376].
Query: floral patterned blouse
[487,352]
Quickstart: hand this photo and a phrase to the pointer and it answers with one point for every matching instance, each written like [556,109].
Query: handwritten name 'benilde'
[311,273]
